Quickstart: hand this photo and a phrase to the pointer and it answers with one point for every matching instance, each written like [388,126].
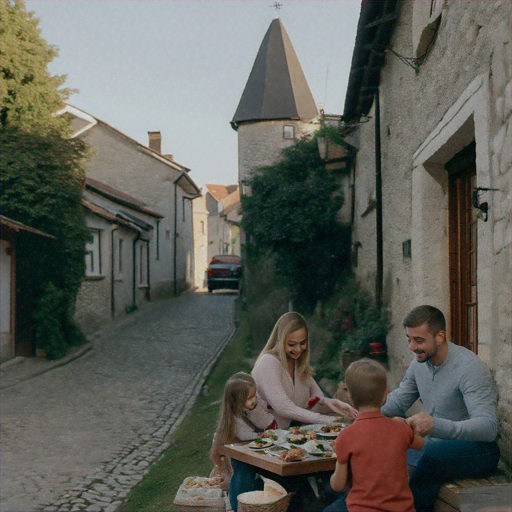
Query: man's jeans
[448,460]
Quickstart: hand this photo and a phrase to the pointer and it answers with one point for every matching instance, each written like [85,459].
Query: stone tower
[276,107]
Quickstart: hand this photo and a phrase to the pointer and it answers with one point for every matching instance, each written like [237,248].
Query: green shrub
[291,215]
[355,322]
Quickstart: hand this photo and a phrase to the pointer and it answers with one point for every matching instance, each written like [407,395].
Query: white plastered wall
[467,119]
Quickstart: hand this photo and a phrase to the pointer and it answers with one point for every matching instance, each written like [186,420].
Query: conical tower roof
[277,87]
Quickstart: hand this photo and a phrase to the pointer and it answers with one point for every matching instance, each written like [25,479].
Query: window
[288,131]
[407,249]
[183,206]
[93,254]
[143,265]
[202,226]
[120,256]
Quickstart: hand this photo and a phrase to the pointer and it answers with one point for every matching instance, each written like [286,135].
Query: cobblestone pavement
[80,436]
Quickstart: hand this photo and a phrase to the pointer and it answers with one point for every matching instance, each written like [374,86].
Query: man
[459,397]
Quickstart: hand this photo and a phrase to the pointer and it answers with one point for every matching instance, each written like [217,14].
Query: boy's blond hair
[367,383]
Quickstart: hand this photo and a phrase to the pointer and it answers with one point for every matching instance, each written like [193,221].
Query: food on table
[293,454]
[331,429]
[344,421]
[269,434]
[259,443]
[296,438]
[311,435]
[320,450]
[298,430]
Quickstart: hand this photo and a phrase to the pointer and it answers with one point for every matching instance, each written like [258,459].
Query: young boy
[372,452]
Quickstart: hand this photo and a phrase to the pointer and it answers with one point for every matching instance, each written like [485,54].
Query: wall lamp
[482,209]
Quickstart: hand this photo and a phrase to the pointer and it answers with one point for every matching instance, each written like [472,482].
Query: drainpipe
[175,271]
[378,196]
[148,269]
[112,275]
[134,251]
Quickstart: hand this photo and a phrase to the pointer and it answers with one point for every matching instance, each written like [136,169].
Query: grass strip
[188,453]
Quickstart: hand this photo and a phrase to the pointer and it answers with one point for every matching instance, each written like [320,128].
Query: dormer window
[289,131]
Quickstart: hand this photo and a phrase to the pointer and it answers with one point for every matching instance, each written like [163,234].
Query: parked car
[224,271]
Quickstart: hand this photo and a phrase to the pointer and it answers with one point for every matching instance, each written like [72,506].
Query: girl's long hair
[236,392]
[288,323]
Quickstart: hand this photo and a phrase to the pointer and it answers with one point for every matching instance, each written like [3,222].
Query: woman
[284,377]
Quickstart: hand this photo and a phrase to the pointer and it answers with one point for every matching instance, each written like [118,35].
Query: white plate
[258,446]
[329,435]
[312,448]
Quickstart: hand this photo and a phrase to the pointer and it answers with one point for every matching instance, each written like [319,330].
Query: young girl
[242,418]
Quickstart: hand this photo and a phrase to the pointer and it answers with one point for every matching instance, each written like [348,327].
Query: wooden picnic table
[311,464]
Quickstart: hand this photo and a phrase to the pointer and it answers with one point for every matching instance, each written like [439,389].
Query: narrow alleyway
[81,435]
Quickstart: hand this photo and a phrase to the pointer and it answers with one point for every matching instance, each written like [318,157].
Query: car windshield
[226,259]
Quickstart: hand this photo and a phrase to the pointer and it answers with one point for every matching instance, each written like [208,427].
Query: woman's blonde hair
[276,344]
[237,390]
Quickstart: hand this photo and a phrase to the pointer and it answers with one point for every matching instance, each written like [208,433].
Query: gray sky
[180,66]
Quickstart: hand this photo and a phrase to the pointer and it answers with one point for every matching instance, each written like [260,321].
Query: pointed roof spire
[277,87]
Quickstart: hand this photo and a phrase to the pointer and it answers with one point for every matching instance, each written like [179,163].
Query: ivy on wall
[41,181]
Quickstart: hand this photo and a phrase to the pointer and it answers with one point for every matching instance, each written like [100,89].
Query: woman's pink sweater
[288,399]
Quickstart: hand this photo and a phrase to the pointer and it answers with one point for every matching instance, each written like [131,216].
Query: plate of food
[319,448]
[260,444]
[292,455]
[297,438]
[344,422]
[270,435]
[331,430]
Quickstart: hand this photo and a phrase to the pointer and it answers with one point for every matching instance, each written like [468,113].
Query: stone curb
[10,381]
[105,489]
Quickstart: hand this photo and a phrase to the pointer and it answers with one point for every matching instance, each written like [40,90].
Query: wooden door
[463,249]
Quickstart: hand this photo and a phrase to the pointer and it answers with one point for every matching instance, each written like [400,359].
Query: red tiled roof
[219,192]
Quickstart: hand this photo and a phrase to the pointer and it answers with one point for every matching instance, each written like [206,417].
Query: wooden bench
[492,494]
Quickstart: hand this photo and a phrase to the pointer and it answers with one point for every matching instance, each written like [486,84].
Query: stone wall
[459,94]
[123,164]
[200,214]
[260,143]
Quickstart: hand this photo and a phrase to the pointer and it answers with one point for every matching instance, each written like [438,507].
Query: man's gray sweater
[460,394]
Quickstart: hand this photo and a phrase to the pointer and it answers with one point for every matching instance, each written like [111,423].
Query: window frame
[93,254]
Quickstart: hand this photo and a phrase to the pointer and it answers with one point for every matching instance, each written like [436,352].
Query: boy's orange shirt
[375,449]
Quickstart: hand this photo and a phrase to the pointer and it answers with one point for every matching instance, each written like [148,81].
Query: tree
[41,180]
[291,214]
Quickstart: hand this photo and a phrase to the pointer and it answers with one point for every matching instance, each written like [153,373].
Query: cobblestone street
[80,436]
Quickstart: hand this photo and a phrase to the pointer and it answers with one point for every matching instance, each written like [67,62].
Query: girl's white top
[260,416]
[288,399]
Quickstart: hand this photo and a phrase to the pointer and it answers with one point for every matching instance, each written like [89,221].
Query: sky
[180,66]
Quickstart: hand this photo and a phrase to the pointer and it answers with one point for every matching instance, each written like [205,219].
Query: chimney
[155,141]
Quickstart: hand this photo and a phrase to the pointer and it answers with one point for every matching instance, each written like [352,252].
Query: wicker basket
[200,505]
[280,505]
[185,502]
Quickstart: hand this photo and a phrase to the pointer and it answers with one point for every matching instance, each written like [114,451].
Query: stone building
[276,107]
[159,183]
[438,229]
[118,272]
[216,226]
